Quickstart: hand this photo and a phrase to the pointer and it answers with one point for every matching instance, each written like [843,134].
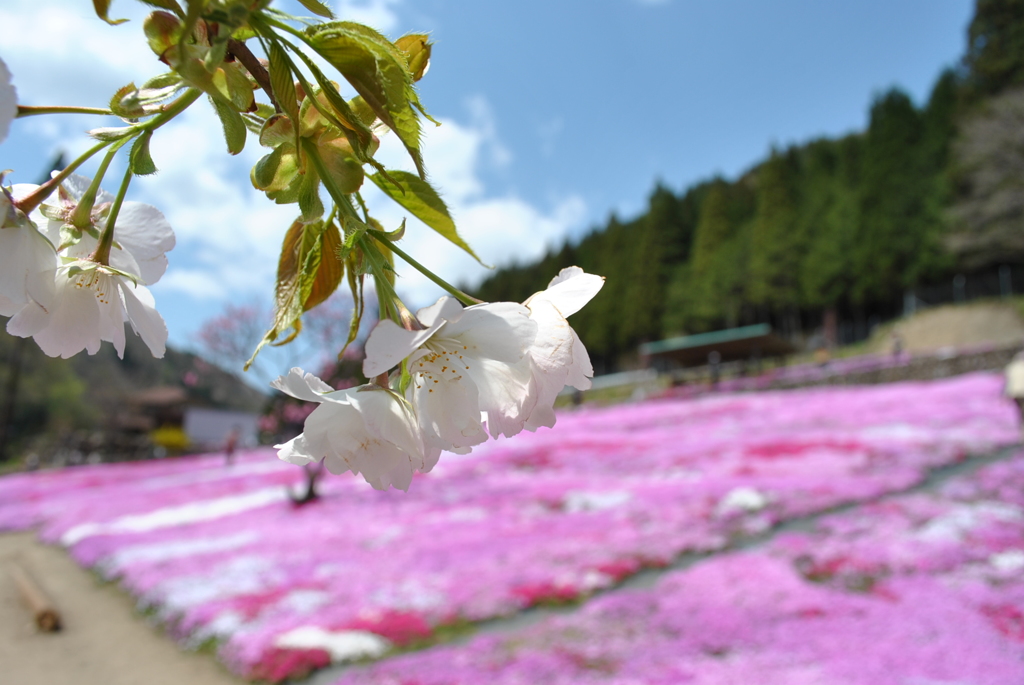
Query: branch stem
[81,217]
[28,203]
[253,65]
[29,111]
[456,293]
[102,253]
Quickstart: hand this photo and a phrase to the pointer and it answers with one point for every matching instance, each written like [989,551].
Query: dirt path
[965,325]
[104,641]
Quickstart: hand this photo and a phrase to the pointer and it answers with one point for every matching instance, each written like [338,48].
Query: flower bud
[344,168]
[416,49]
[161,29]
[277,130]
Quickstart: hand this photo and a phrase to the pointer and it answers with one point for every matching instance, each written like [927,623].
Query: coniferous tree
[776,242]
[892,199]
[830,213]
[995,48]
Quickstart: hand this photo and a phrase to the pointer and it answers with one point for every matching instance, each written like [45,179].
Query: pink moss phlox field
[921,588]
[814,372]
[220,552]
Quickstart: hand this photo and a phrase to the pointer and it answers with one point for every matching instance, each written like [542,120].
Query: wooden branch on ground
[45,612]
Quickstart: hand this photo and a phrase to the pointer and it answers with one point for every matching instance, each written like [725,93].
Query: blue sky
[555,114]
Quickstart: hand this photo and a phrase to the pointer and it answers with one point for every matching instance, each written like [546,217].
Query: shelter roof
[744,342]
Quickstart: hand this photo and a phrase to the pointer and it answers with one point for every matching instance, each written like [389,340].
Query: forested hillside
[847,225]
[51,401]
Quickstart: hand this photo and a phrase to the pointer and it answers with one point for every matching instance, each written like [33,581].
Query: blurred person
[312,474]
[715,362]
[230,444]
[1015,382]
[897,344]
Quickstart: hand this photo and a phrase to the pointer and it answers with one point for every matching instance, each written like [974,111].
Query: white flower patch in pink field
[552,515]
[923,588]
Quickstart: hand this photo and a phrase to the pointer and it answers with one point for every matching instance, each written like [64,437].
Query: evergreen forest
[842,227]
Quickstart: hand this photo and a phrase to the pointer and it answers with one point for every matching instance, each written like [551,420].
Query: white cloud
[229,234]
[61,53]
[378,14]
[500,227]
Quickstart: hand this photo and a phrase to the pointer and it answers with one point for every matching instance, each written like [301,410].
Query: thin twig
[254,67]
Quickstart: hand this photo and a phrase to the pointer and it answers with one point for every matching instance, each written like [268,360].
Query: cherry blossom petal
[70,326]
[367,430]
[302,386]
[447,408]
[89,307]
[295,451]
[445,309]
[581,370]
[144,234]
[111,311]
[570,290]
[144,318]
[505,395]
[388,344]
[389,418]
[27,262]
[76,185]
[558,356]
[501,331]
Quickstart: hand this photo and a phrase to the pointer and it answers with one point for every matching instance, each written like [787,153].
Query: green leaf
[102,7]
[130,102]
[380,74]
[215,55]
[232,83]
[309,196]
[139,159]
[278,130]
[107,134]
[163,81]
[253,122]
[343,117]
[281,82]
[424,203]
[264,110]
[124,106]
[69,235]
[298,271]
[355,285]
[317,8]
[234,126]
[266,169]
[354,227]
[341,165]
[277,174]
[330,270]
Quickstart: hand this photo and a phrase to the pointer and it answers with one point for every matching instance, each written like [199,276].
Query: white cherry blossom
[464,363]
[27,259]
[91,304]
[367,430]
[142,236]
[558,357]
[8,101]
